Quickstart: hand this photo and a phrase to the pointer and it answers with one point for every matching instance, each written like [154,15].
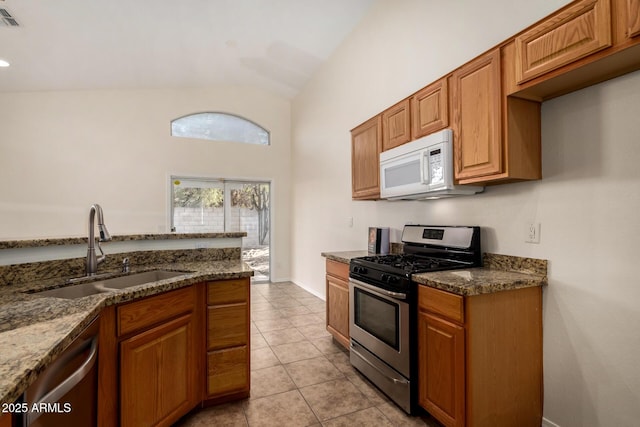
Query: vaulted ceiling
[275,45]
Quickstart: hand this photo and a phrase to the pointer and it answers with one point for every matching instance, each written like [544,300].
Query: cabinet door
[477,131]
[366,145]
[338,309]
[633,11]
[574,33]
[430,109]
[441,369]
[396,125]
[157,374]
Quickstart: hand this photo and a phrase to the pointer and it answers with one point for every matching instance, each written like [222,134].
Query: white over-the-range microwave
[421,169]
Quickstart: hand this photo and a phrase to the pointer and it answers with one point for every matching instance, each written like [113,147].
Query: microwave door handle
[424,166]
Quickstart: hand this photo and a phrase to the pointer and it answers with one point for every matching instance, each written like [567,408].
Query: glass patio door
[218,205]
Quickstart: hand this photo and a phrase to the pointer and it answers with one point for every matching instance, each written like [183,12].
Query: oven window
[378,317]
[402,174]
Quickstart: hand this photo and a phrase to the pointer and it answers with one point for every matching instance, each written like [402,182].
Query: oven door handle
[353,347]
[379,291]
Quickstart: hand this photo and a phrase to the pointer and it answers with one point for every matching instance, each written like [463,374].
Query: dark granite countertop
[38,243]
[499,273]
[344,256]
[34,330]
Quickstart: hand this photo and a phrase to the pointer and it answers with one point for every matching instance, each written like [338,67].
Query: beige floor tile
[306,319]
[254,329]
[327,345]
[268,381]
[263,358]
[312,371]
[341,361]
[365,418]
[294,311]
[266,314]
[316,330]
[295,351]
[309,300]
[372,393]
[274,294]
[267,325]
[228,415]
[258,341]
[400,418]
[334,398]
[283,336]
[261,306]
[284,409]
[285,302]
[319,307]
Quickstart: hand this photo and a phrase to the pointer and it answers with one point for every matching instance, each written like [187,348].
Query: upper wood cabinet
[430,109]
[633,18]
[366,145]
[476,118]
[576,32]
[396,125]
[496,138]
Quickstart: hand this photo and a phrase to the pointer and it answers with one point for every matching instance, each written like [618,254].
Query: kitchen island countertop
[34,330]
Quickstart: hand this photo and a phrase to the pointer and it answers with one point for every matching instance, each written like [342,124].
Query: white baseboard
[547,423]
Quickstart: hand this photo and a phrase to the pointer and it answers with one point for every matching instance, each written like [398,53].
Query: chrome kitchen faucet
[92,260]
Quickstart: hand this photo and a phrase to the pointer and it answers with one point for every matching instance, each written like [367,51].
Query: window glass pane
[219,127]
[198,206]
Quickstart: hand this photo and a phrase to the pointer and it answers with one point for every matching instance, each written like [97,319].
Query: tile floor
[299,375]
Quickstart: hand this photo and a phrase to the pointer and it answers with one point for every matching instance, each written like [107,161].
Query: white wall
[587,201]
[60,152]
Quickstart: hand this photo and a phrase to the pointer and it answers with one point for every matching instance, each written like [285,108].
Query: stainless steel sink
[73,292]
[136,279]
[109,285]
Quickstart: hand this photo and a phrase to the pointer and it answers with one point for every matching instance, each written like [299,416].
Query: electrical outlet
[533,233]
[350,221]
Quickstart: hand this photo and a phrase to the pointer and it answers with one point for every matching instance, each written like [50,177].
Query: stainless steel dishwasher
[65,394]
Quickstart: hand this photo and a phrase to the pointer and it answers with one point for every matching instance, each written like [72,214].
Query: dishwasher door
[65,394]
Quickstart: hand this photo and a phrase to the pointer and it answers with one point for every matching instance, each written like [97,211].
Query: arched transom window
[220,127]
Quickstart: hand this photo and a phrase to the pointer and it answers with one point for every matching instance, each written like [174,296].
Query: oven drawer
[440,302]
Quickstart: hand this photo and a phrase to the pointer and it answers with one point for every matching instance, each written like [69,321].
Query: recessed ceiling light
[3,63]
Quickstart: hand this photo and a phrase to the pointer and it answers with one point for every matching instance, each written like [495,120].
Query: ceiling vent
[6,20]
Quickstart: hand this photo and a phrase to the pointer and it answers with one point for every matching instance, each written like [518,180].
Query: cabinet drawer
[440,302]
[227,370]
[227,291]
[227,326]
[574,33]
[142,314]
[338,269]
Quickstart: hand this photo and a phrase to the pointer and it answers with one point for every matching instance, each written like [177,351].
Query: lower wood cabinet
[161,356]
[158,382]
[337,291]
[441,391]
[228,353]
[480,357]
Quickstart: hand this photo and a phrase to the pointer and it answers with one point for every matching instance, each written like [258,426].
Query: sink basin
[72,292]
[109,285]
[123,282]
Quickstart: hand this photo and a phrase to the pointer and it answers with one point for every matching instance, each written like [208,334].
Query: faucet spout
[92,259]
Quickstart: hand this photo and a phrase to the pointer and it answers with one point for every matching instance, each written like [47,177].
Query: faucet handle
[125,265]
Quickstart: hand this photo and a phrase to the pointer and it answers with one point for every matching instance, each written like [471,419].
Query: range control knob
[359,270]
[388,278]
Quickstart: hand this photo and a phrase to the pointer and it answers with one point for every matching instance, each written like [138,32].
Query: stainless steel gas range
[383,304]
